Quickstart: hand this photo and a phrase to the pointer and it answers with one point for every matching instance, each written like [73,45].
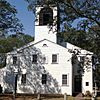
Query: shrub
[88,94]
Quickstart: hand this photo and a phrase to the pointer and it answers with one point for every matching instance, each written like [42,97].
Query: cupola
[44,23]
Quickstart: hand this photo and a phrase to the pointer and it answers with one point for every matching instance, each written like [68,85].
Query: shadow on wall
[33,75]
[81,63]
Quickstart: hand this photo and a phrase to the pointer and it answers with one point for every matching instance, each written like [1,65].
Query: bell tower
[45,19]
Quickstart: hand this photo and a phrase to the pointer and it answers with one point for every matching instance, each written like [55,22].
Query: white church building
[47,65]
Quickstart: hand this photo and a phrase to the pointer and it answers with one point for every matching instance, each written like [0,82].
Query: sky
[26,17]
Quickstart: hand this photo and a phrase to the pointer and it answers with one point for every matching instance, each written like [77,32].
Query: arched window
[46,16]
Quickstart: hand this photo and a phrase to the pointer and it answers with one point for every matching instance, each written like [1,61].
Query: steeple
[45,28]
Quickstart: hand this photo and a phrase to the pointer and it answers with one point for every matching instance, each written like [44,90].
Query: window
[14,60]
[23,80]
[64,79]
[82,58]
[46,16]
[44,78]
[54,58]
[34,58]
[45,45]
[44,60]
[87,83]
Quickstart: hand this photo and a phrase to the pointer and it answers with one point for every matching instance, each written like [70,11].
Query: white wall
[64,65]
[87,77]
[1,77]
[44,32]
[88,71]
[55,71]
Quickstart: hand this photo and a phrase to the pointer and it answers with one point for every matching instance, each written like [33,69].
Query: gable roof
[69,46]
[34,43]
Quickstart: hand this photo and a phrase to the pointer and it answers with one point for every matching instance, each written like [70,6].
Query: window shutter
[44,78]
[14,59]
[45,59]
[23,80]
[34,58]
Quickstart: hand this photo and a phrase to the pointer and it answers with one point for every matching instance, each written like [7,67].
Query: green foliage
[8,20]
[8,44]
[17,40]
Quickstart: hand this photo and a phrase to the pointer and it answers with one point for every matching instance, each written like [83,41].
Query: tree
[8,20]
[15,40]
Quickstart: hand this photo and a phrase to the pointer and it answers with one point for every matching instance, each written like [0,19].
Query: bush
[88,94]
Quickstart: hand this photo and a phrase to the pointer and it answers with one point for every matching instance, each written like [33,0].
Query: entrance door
[78,84]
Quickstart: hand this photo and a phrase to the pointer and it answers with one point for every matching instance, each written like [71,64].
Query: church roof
[68,47]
